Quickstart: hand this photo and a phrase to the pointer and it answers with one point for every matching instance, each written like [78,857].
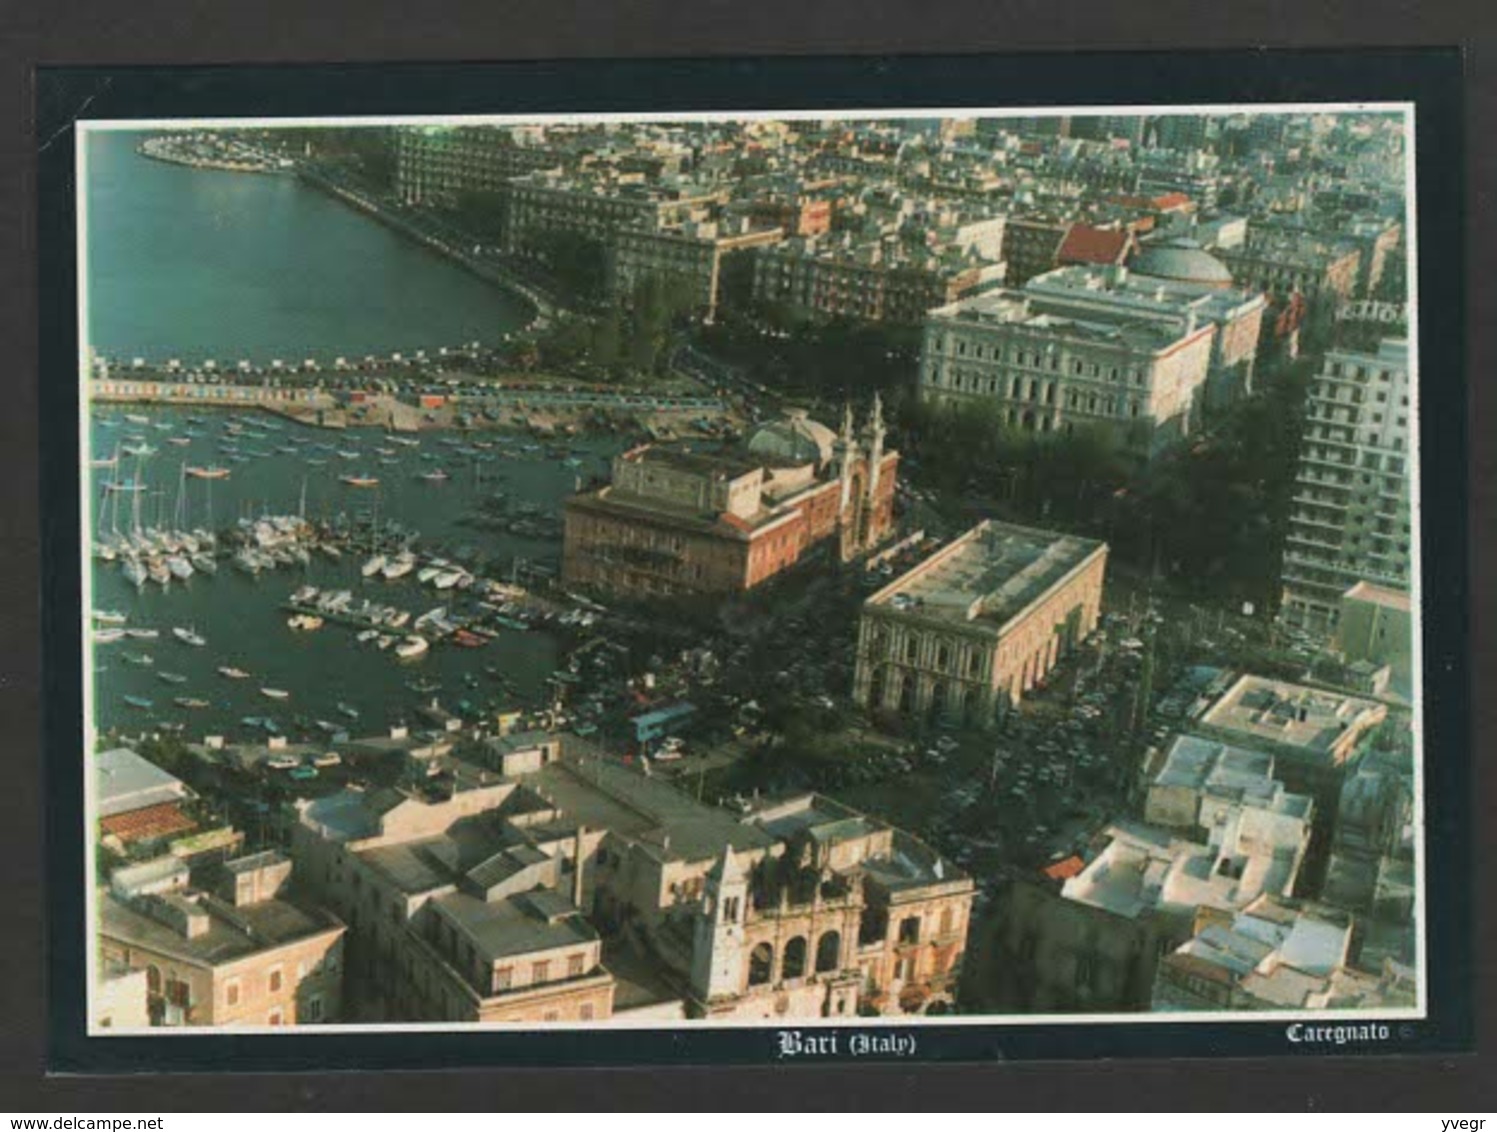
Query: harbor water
[202,263]
[279,467]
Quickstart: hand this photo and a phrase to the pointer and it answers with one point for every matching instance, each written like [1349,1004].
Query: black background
[657,29]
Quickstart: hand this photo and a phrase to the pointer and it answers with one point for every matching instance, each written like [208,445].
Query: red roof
[1065,870]
[148,823]
[1170,200]
[1085,244]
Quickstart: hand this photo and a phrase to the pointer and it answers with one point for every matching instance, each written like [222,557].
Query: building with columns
[676,522]
[1050,366]
[976,625]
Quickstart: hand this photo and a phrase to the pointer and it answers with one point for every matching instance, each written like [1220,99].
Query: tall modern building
[1350,520]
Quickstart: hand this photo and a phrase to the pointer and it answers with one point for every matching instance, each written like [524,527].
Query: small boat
[144,634]
[366,636]
[399,566]
[180,567]
[172,677]
[347,454]
[108,617]
[331,551]
[435,476]
[348,710]
[468,640]
[447,579]
[179,441]
[327,728]
[189,637]
[384,642]
[138,450]
[189,702]
[365,480]
[108,636]
[135,572]
[205,563]
[275,693]
[373,566]
[427,573]
[283,762]
[326,759]
[303,595]
[158,571]
[411,648]
[137,418]
[209,473]
[233,673]
[139,659]
[137,701]
[307,621]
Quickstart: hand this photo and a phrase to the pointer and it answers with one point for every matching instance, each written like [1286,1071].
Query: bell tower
[717,934]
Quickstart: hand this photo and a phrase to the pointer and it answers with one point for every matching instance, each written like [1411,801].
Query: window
[540,972]
[574,965]
[585,1012]
[231,993]
[276,1016]
[909,929]
[275,979]
[504,978]
[313,1012]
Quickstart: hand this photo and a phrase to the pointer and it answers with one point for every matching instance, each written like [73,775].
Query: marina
[295,582]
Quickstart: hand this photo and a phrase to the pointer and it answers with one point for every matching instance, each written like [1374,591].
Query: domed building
[1181,260]
[795,439]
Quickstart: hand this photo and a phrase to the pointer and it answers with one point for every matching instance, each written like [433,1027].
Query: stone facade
[970,630]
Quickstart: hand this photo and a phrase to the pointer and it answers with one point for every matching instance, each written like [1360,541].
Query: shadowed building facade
[975,626]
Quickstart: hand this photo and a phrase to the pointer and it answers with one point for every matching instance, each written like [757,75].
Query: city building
[690,257]
[1277,954]
[440,164]
[1375,626]
[1050,366]
[1315,735]
[241,948]
[873,280]
[139,806]
[1031,246]
[577,889]
[677,522]
[1170,300]
[1350,521]
[968,631]
[1280,263]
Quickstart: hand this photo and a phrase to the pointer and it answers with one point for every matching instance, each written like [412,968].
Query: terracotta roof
[1065,870]
[150,822]
[1085,244]
[1170,200]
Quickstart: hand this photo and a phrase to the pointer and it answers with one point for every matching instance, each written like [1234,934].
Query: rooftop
[1311,720]
[516,925]
[127,782]
[1378,595]
[1020,310]
[231,934]
[989,575]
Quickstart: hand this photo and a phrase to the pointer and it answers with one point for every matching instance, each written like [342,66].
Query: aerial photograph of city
[750,569]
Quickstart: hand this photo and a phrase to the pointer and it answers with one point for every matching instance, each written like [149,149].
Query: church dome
[796,439]
[1183,261]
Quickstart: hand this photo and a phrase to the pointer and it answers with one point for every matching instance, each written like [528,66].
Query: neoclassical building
[975,626]
[674,521]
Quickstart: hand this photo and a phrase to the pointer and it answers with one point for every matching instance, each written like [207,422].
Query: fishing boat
[189,637]
[139,659]
[189,702]
[331,551]
[364,480]
[275,693]
[137,418]
[397,618]
[144,634]
[108,636]
[179,441]
[248,561]
[373,566]
[326,728]
[137,701]
[233,673]
[108,617]
[437,475]
[348,710]
[384,642]
[172,677]
[366,636]
[411,648]
[209,473]
[468,640]
[138,450]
